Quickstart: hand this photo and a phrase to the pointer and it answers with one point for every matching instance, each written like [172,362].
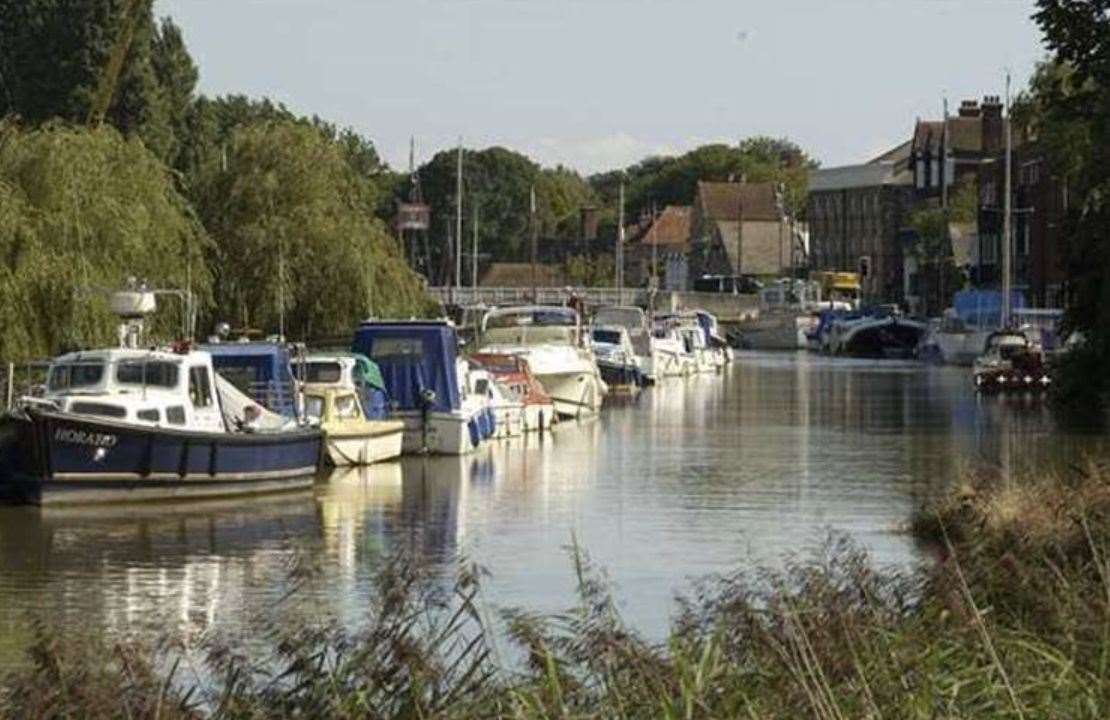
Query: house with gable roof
[737,228]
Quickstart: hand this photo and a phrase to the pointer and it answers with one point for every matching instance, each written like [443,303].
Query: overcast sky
[598,84]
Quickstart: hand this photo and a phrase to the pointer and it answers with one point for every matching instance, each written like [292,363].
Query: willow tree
[296,240]
[80,212]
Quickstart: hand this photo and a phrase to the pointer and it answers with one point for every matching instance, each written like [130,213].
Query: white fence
[544,295]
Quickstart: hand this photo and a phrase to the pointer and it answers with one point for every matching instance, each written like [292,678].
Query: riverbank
[1012,621]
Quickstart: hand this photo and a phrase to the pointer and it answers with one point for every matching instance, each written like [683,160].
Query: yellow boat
[350,437]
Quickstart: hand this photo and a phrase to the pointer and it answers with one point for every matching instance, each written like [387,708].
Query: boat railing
[22,379]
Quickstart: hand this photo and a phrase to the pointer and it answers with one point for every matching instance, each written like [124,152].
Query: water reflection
[695,476]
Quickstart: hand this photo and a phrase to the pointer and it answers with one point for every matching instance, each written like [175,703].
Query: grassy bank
[1013,620]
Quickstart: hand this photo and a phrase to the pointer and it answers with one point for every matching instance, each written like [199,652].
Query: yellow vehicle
[837,287]
[351,438]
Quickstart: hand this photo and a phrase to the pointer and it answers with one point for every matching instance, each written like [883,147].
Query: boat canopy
[261,370]
[983,308]
[413,358]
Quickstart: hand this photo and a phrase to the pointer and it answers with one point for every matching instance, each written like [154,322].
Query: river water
[697,476]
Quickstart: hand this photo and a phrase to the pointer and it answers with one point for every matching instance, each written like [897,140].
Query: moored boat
[513,372]
[616,359]
[651,358]
[1010,363]
[419,366]
[351,438]
[551,339]
[137,424]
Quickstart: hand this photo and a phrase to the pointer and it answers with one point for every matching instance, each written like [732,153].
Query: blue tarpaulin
[983,308]
[413,358]
[260,369]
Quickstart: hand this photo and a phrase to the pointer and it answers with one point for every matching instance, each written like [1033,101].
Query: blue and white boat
[261,370]
[421,370]
[134,424]
[616,359]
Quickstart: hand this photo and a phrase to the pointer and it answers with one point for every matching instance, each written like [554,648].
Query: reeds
[1012,621]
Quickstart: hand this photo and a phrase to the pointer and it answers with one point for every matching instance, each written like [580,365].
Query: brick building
[1039,203]
[855,214]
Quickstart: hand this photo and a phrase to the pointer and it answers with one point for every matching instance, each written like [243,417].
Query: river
[697,476]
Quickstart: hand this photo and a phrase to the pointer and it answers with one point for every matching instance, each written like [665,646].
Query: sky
[600,84]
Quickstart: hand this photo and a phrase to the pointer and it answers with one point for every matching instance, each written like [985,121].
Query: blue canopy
[262,370]
[983,308]
[414,358]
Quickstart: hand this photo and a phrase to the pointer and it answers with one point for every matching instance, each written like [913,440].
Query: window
[346,407]
[919,174]
[151,415]
[90,408]
[175,415]
[1022,240]
[610,337]
[200,388]
[313,406]
[72,375]
[157,373]
[318,372]
[398,348]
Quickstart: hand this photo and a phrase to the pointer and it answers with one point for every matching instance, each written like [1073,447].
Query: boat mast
[532,221]
[458,218]
[1006,229]
[474,254]
[620,246]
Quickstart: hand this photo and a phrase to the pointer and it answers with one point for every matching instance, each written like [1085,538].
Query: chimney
[970,108]
[992,124]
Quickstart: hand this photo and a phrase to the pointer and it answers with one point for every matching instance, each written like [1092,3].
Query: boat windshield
[74,375]
[156,373]
[611,337]
[346,407]
[313,406]
[318,371]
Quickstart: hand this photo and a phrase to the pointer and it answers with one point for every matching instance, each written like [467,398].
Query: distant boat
[651,358]
[139,424]
[419,366]
[513,372]
[616,359]
[1010,363]
[883,334]
[551,338]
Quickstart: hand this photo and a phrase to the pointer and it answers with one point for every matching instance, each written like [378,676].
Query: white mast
[1006,229]
[458,218]
[620,246]
[474,253]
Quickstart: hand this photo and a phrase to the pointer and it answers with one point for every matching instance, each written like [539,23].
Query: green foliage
[590,271]
[499,183]
[53,54]
[293,223]
[80,212]
[673,180]
[1069,110]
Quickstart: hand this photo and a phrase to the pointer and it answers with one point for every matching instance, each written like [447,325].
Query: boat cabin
[532,325]
[144,387]
[352,371]
[417,360]
[260,370]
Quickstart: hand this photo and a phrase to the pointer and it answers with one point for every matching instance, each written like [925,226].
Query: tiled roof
[727,201]
[965,134]
[671,227]
[520,275]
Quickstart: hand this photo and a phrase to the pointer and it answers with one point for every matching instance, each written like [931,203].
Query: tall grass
[1012,621]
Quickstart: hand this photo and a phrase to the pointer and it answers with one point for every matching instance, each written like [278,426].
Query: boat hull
[378,445]
[574,394]
[538,417]
[55,458]
[439,433]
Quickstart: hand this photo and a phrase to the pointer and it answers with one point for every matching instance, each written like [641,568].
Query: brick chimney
[969,108]
[992,124]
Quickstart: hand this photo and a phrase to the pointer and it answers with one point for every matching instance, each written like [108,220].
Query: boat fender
[475,433]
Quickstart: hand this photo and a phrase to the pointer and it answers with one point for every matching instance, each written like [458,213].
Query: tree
[1071,112]
[295,235]
[54,53]
[80,212]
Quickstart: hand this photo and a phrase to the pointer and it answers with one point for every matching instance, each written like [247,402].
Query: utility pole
[458,217]
[1006,229]
[620,245]
[944,158]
